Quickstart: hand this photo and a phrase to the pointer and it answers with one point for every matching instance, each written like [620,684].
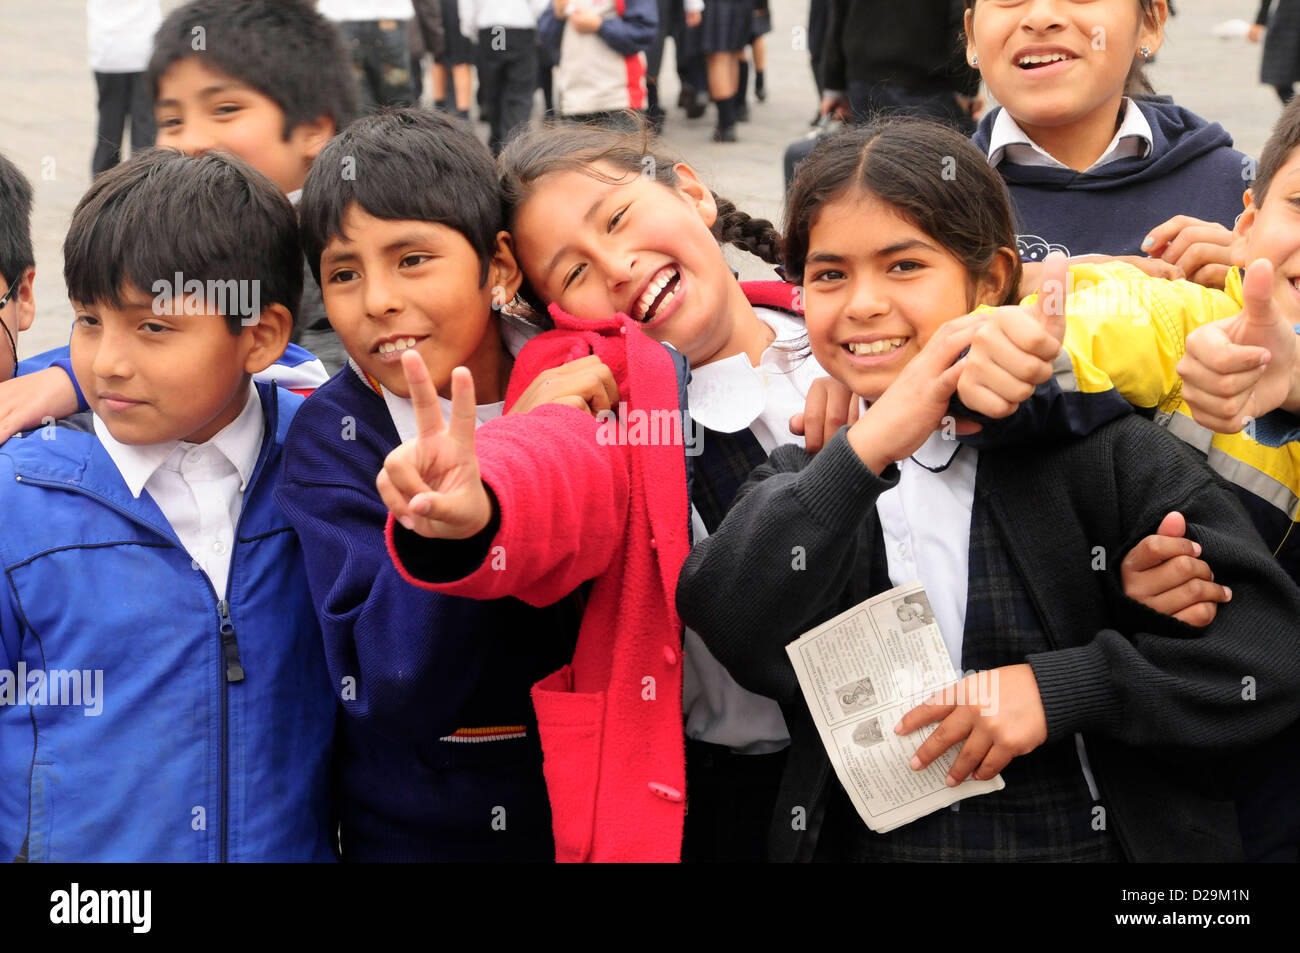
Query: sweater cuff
[1075,687]
[837,487]
[1277,428]
[443,560]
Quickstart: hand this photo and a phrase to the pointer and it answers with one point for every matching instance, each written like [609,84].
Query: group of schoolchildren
[432,611]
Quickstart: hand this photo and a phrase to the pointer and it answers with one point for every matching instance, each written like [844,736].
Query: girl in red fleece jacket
[665,269]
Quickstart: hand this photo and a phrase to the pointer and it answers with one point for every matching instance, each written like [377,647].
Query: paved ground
[47,115]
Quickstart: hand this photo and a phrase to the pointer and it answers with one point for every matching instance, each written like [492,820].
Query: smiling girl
[1006,542]
[1093,166]
[603,224]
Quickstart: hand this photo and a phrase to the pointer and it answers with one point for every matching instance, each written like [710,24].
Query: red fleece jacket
[576,506]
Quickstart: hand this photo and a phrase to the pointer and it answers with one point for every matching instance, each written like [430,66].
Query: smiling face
[390,285]
[631,246]
[199,108]
[1053,63]
[876,288]
[1272,231]
[154,377]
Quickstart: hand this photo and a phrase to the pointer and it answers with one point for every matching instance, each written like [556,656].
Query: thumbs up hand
[1013,351]
[1244,366]
[431,483]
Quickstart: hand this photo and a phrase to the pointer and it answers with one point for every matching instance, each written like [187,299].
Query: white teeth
[401,344]
[876,347]
[652,291]
[1044,58]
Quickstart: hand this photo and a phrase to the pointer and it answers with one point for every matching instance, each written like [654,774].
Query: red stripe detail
[636,71]
[302,391]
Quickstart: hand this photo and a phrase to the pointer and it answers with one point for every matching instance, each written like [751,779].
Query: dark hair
[15,222]
[1281,143]
[929,173]
[1137,83]
[211,218]
[404,164]
[282,48]
[549,148]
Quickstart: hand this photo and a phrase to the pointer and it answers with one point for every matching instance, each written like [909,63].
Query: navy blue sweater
[1192,170]
[412,667]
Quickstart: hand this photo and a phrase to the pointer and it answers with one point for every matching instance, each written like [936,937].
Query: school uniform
[599,74]
[120,36]
[1156,703]
[1279,66]
[506,32]
[580,504]
[437,756]
[213,736]
[735,738]
[726,26]
[1163,161]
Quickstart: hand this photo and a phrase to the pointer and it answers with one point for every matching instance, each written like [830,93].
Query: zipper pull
[229,647]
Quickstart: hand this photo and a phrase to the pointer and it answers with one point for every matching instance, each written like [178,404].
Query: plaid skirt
[726,27]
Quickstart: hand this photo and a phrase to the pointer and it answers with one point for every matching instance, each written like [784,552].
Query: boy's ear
[25,300]
[268,338]
[1241,231]
[970,34]
[504,274]
[310,137]
[699,194]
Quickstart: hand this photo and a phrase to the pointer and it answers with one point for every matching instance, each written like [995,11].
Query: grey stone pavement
[47,116]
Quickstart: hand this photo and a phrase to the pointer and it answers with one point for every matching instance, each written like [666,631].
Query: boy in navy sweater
[438,756]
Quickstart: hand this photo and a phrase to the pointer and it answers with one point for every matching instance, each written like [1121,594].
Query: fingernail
[1196,549]
[1227,592]
[951,781]
[407,522]
[1148,242]
[916,764]
[898,728]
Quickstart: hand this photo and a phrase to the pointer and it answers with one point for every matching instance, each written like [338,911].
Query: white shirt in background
[1009,143]
[199,487]
[120,34]
[341,11]
[478,15]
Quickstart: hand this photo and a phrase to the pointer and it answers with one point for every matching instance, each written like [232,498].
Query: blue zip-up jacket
[215,717]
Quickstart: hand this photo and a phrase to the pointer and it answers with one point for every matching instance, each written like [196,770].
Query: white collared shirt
[925,521]
[728,396]
[199,487]
[1009,143]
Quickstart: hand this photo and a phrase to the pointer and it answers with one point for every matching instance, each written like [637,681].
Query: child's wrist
[869,451]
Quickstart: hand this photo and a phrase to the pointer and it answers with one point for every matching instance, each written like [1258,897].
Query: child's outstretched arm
[531,506]
[29,399]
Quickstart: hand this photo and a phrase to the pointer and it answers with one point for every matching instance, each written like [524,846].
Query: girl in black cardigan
[1110,718]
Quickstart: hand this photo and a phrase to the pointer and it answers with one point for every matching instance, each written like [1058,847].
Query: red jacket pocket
[570,728]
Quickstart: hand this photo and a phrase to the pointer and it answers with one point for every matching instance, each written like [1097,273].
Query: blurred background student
[120,36]
[1278,23]
[376,33]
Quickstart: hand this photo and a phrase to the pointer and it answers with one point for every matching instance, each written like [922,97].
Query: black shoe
[724,134]
[760,87]
[685,97]
[742,112]
[696,108]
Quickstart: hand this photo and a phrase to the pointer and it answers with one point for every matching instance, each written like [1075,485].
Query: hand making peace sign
[431,483]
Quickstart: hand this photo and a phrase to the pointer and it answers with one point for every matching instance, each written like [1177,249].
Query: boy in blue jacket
[163,696]
[438,757]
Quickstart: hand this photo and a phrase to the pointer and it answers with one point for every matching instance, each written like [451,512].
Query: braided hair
[548,148]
